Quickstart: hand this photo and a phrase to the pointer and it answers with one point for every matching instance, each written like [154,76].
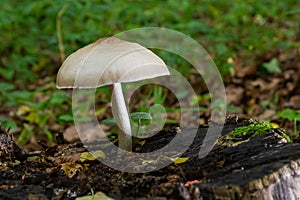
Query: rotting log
[262,168]
[281,184]
[265,167]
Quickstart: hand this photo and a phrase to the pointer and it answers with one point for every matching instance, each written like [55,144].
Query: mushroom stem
[120,113]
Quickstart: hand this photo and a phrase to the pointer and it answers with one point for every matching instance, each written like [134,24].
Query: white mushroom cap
[107,61]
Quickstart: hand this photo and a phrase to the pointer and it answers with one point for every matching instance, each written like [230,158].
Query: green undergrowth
[31,51]
[225,28]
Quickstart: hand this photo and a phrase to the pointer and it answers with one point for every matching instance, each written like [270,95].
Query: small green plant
[141,118]
[159,107]
[291,115]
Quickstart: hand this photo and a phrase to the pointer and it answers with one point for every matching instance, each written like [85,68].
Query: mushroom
[111,61]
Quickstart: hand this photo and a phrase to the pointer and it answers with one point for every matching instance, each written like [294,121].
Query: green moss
[245,133]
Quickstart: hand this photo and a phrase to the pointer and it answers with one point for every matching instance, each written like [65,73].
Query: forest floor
[66,176]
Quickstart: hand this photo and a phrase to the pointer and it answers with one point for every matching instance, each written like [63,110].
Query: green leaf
[233,108]
[109,122]
[292,12]
[66,118]
[142,117]
[85,119]
[289,114]
[6,86]
[5,122]
[272,66]
[7,73]
[49,134]
[23,95]
[58,97]
[221,49]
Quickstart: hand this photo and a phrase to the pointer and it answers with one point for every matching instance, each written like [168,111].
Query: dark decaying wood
[258,169]
[265,167]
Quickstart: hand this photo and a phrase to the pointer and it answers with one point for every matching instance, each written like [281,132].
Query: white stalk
[121,116]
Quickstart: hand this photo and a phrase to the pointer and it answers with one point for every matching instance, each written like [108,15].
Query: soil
[60,172]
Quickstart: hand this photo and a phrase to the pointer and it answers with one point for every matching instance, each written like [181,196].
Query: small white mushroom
[111,61]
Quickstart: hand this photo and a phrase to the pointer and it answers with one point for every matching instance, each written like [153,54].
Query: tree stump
[264,167]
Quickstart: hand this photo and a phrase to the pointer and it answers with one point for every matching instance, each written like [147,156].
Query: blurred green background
[234,32]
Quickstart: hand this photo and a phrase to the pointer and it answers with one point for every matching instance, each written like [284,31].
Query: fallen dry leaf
[92,155]
[70,168]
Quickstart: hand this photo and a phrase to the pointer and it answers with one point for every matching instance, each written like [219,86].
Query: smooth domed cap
[107,61]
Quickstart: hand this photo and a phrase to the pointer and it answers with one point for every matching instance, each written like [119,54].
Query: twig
[59,33]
